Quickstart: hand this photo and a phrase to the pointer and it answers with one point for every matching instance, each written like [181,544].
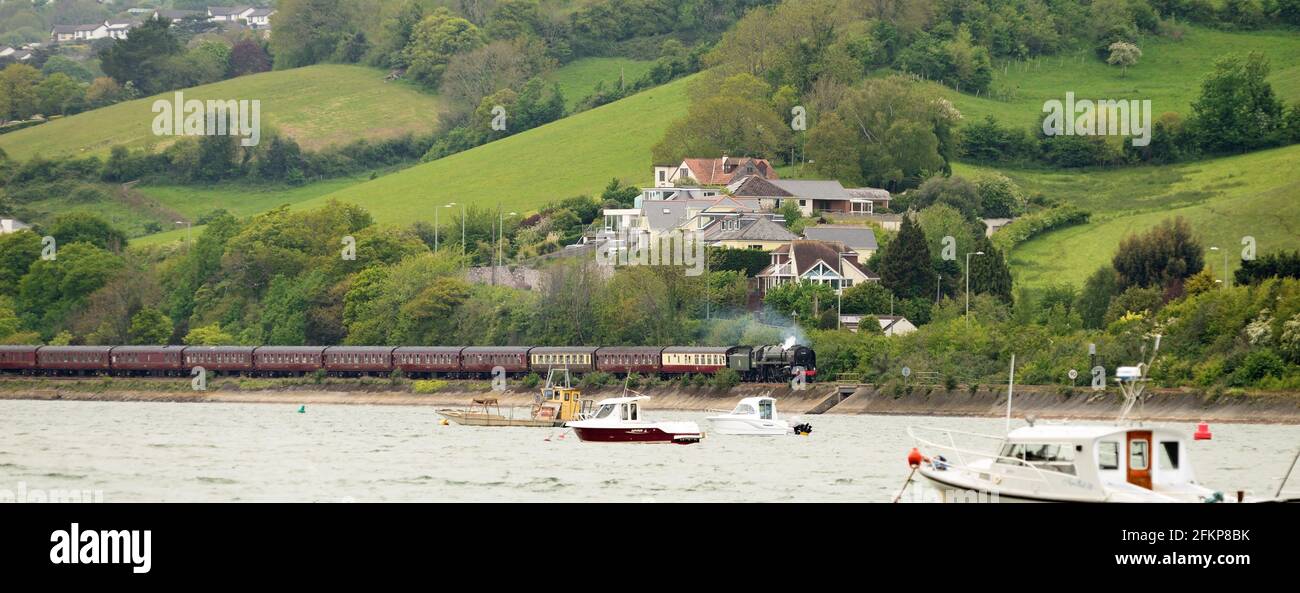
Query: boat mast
[1011,381]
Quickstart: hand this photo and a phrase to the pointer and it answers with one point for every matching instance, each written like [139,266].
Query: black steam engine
[774,362]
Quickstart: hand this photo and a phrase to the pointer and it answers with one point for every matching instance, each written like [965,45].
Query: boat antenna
[1133,390]
[1011,381]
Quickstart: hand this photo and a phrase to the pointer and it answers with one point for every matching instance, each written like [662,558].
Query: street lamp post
[1227,280]
[501,230]
[188,227]
[436,224]
[968,254]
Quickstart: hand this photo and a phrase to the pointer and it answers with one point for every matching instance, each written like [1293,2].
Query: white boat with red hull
[619,420]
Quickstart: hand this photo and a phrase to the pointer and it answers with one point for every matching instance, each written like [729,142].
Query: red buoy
[1202,432]
[914,458]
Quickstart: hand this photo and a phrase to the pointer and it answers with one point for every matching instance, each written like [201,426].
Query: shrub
[428,385]
[726,379]
[1030,225]
[531,380]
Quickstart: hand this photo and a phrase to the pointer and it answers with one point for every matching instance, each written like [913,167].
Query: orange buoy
[914,458]
[1202,432]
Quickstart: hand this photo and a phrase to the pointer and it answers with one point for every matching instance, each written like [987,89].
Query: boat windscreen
[743,410]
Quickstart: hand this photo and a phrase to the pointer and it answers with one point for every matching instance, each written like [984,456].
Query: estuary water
[147,452]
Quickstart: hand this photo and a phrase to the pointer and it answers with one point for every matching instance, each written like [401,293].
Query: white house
[718,172]
[823,262]
[11,225]
[890,325]
[259,18]
[119,28]
[229,14]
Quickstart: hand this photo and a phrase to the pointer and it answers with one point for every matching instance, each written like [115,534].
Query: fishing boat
[753,416]
[620,420]
[1126,461]
[557,402]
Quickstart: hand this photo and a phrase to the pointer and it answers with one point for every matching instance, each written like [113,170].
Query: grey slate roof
[756,229]
[812,189]
[857,238]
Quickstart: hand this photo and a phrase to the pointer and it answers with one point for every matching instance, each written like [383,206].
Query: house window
[803,202]
[661,175]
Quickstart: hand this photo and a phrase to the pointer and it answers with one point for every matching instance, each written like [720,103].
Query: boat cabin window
[765,409]
[743,410]
[1057,457]
[1138,456]
[634,411]
[1168,454]
[605,411]
[1108,455]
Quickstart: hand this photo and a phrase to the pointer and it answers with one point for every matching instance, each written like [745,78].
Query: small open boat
[619,420]
[557,403]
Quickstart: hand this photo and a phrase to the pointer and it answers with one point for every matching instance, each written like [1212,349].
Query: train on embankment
[771,363]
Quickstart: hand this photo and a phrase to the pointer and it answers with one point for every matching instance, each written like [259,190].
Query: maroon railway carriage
[18,359]
[220,359]
[693,359]
[147,360]
[427,360]
[359,360]
[579,359]
[622,360]
[68,360]
[482,359]
[288,360]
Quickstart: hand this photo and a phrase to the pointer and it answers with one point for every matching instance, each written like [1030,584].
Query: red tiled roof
[714,171]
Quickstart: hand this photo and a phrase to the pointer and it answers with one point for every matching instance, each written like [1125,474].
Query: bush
[596,379]
[726,379]
[318,377]
[1030,225]
[531,381]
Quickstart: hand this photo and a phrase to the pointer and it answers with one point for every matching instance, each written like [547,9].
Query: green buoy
[302,409]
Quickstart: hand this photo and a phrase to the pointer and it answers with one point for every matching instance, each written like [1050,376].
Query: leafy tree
[305,32]
[1237,110]
[18,91]
[434,41]
[1123,54]
[905,265]
[734,119]
[999,196]
[888,133]
[1135,299]
[1098,290]
[87,228]
[60,95]
[864,298]
[989,273]
[141,59]
[17,252]
[52,289]
[150,326]
[67,66]
[248,57]
[209,335]
[806,302]
[1168,252]
[1280,264]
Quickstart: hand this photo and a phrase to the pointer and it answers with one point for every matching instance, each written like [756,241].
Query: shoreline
[1040,402]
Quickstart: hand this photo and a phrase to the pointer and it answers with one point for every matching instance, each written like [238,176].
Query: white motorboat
[619,420]
[1062,463]
[752,416]
[1121,462]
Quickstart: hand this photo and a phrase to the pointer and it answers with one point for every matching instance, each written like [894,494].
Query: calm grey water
[268,452]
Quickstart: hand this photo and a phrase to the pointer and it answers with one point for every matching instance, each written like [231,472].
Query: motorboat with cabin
[754,416]
[1122,462]
[557,402]
[620,420]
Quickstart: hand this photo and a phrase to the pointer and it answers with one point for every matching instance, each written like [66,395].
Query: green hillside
[1224,199]
[318,106]
[1169,74]
[573,156]
[578,78]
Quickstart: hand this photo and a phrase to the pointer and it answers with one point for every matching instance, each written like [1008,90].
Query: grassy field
[578,78]
[1224,199]
[237,198]
[318,106]
[574,156]
[1169,74]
